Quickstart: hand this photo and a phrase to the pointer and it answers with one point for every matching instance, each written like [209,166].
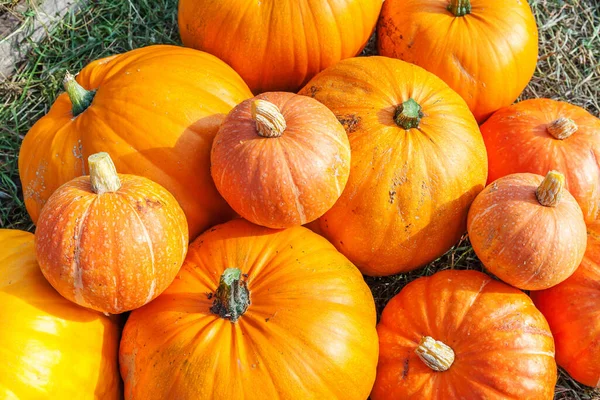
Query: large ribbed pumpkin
[255,314]
[51,348]
[278,44]
[528,230]
[155,110]
[281,159]
[540,135]
[111,242]
[486,50]
[418,161]
[461,335]
[572,309]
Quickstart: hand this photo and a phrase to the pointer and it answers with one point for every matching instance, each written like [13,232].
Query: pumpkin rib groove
[294,186]
[469,307]
[77,273]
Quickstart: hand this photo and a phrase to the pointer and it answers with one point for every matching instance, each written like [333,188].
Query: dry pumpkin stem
[270,122]
[80,98]
[408,114]
[460,7]
[562,128]
[550,190]
[435,354]
[232,297]
[103,174]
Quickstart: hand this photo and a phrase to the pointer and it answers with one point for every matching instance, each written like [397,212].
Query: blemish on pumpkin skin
[350,122]
[312,91]
[405,370]
[147,204]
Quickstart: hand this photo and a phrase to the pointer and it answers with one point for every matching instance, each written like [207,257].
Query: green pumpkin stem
[408,114]
[80,98]
[232,297]
[460,8]
[103,174]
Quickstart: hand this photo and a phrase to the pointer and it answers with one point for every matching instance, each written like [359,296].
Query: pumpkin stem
[436,355]
[80,98]
[408,114]
[550,190]
[562,128]
[232,297]
[460,8]
[270,123]
[103,174]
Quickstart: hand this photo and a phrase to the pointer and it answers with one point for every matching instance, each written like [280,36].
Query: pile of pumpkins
[385,161]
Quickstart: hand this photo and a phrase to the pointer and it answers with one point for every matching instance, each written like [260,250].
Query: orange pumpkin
[256,314]
[486,50]
[278,44]
[462,335]
[51,348]
[528,230]
[418,161]
[541,135]
[111,242]
[155,110]
[572,309]
[280,159]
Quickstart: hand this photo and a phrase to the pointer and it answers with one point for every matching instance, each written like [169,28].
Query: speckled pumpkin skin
[280,182]
[112,252]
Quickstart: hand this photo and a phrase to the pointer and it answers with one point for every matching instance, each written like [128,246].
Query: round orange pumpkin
[572,308]
[541,135]
[155,110]
[51,348]
[278,44]
[418,161]
[461,335]
[257,314]
[281,159]
[528,230]
[486,50]
[111,242]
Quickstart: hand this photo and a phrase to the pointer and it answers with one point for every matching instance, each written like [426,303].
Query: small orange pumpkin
[462,335]
[486,50]
[111,242]
[540,135]
[51,348]
[281,159]
[418,161]
[255,314]
[528,230]
[572,308]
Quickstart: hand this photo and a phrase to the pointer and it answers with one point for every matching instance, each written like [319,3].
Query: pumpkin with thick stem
[278,45]
[528,230]
[51,348]
[281,159]
[155,110]
[486,50]
[462,335]
[418,161]
[255,313]
[111,242]
[572,309]
[540,135]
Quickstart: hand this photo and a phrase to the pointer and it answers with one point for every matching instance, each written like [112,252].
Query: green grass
[569,69]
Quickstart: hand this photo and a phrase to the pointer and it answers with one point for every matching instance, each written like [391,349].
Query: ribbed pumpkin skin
[517,141]
[156,112]
[409,191]
[487,56]
[522,242]
[112,252]
[309,332]
[285,181]
[502,344]
[572,309]
[51,348]
[278,45]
